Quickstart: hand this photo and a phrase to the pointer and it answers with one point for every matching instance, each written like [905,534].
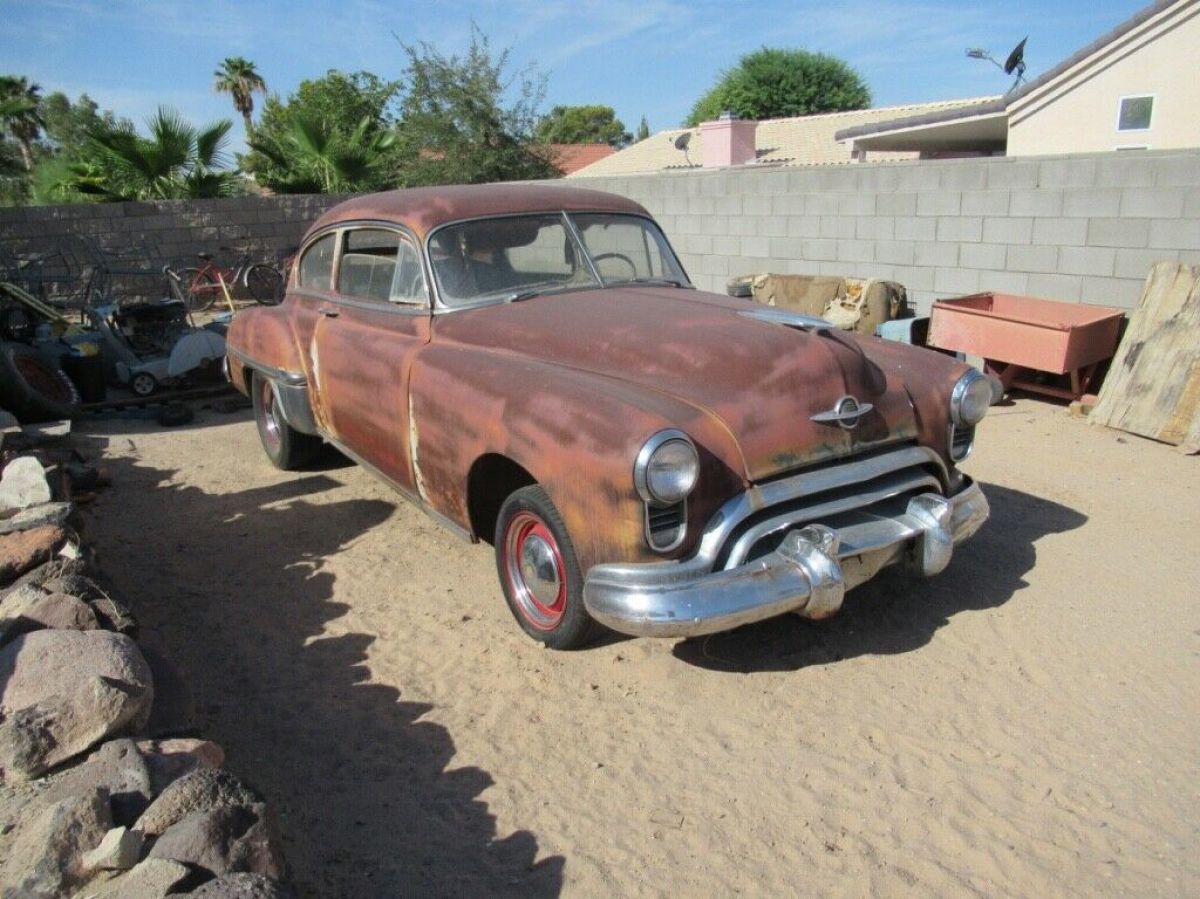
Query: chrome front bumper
[809,573]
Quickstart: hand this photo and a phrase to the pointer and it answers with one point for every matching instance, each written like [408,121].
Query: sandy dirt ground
[1026,724]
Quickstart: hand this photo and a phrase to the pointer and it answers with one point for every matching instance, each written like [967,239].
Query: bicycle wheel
[264,284]
[201,289]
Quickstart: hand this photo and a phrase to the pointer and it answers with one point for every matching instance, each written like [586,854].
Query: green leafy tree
[238,78]
[20,117]
[333,130]
[176,161]
[465,121]
[69,124]
[582,125]
[643,131]
[773,83]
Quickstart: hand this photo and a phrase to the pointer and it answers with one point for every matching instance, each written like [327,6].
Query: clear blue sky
[643,57]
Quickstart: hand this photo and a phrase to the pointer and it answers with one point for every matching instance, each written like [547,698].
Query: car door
[366,336]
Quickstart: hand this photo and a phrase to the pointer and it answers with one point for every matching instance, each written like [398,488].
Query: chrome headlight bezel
[643,478]
[972,394]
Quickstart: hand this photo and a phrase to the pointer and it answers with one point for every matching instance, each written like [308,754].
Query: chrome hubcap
[538,569]
[534,568]
[270,421]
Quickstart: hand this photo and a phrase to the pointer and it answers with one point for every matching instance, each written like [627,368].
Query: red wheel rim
[44,380]
[535,571]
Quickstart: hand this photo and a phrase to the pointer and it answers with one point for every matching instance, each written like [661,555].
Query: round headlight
[667,468]
[970,399]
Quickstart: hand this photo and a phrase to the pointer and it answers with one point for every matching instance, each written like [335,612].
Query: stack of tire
[34,388]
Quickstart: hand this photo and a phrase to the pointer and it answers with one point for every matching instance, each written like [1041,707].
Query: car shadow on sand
[233,589]
[897,613]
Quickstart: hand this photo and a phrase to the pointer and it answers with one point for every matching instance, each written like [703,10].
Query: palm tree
[238,78]
[317,158]
[177,161]
[19,115]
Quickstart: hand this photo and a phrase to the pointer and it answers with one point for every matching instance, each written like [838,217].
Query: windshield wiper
[654,282]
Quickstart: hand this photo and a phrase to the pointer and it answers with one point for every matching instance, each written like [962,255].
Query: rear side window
[316,266]
[381,265]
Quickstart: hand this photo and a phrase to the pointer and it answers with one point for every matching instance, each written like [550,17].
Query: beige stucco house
[1137,87]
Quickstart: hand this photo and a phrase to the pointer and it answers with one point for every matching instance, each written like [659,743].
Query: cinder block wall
[1079,228]
[146,236]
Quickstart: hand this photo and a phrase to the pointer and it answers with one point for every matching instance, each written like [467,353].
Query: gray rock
[43,573]
[33,609]
[46,858]
[243,886]
[119,850]
[8,421]
[65,691]
[152,879]
[199,791]
[120,768]
[23,484]
[169,760]
[37,516]
[223,840]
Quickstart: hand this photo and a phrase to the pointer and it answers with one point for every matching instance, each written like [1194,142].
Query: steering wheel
[629,262]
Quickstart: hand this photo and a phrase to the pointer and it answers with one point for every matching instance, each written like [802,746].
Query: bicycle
[201,285]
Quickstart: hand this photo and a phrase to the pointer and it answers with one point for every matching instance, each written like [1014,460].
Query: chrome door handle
[328,312]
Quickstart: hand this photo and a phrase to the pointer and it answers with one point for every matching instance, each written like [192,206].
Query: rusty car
[531,365]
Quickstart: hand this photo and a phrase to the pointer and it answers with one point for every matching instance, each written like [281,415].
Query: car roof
[423,209]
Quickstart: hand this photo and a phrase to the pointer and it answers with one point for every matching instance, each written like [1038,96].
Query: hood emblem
[846,412]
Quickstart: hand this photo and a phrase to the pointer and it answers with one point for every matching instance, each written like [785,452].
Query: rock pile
[106,794]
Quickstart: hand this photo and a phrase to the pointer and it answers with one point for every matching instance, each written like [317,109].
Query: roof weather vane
[1014,63]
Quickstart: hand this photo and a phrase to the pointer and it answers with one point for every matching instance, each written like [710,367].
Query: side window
[381,265]
[368,264]
[316,267]
[409,283]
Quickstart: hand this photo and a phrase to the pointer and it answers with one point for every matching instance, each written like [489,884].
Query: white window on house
[1135,113]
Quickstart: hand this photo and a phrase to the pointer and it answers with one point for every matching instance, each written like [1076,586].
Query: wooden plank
[1153,385]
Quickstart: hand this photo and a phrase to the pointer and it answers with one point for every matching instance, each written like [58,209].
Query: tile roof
[803,140]
[570,158]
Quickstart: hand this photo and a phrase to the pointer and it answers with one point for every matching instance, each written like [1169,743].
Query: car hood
[762,380]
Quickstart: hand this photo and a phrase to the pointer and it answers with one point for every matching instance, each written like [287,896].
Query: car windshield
[515,257]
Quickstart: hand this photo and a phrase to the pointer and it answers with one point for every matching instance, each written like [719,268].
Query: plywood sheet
[1153,386]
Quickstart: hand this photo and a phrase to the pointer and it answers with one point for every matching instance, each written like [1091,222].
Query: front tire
[539,573]
[287,448]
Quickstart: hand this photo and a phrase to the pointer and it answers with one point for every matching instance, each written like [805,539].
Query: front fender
[575,432]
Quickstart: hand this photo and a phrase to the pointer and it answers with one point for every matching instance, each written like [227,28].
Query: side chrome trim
[280,375]
[437,516]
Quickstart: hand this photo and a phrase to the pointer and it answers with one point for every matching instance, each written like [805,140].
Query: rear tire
[264,284]
[287,448]
[539,573]
[33,388]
